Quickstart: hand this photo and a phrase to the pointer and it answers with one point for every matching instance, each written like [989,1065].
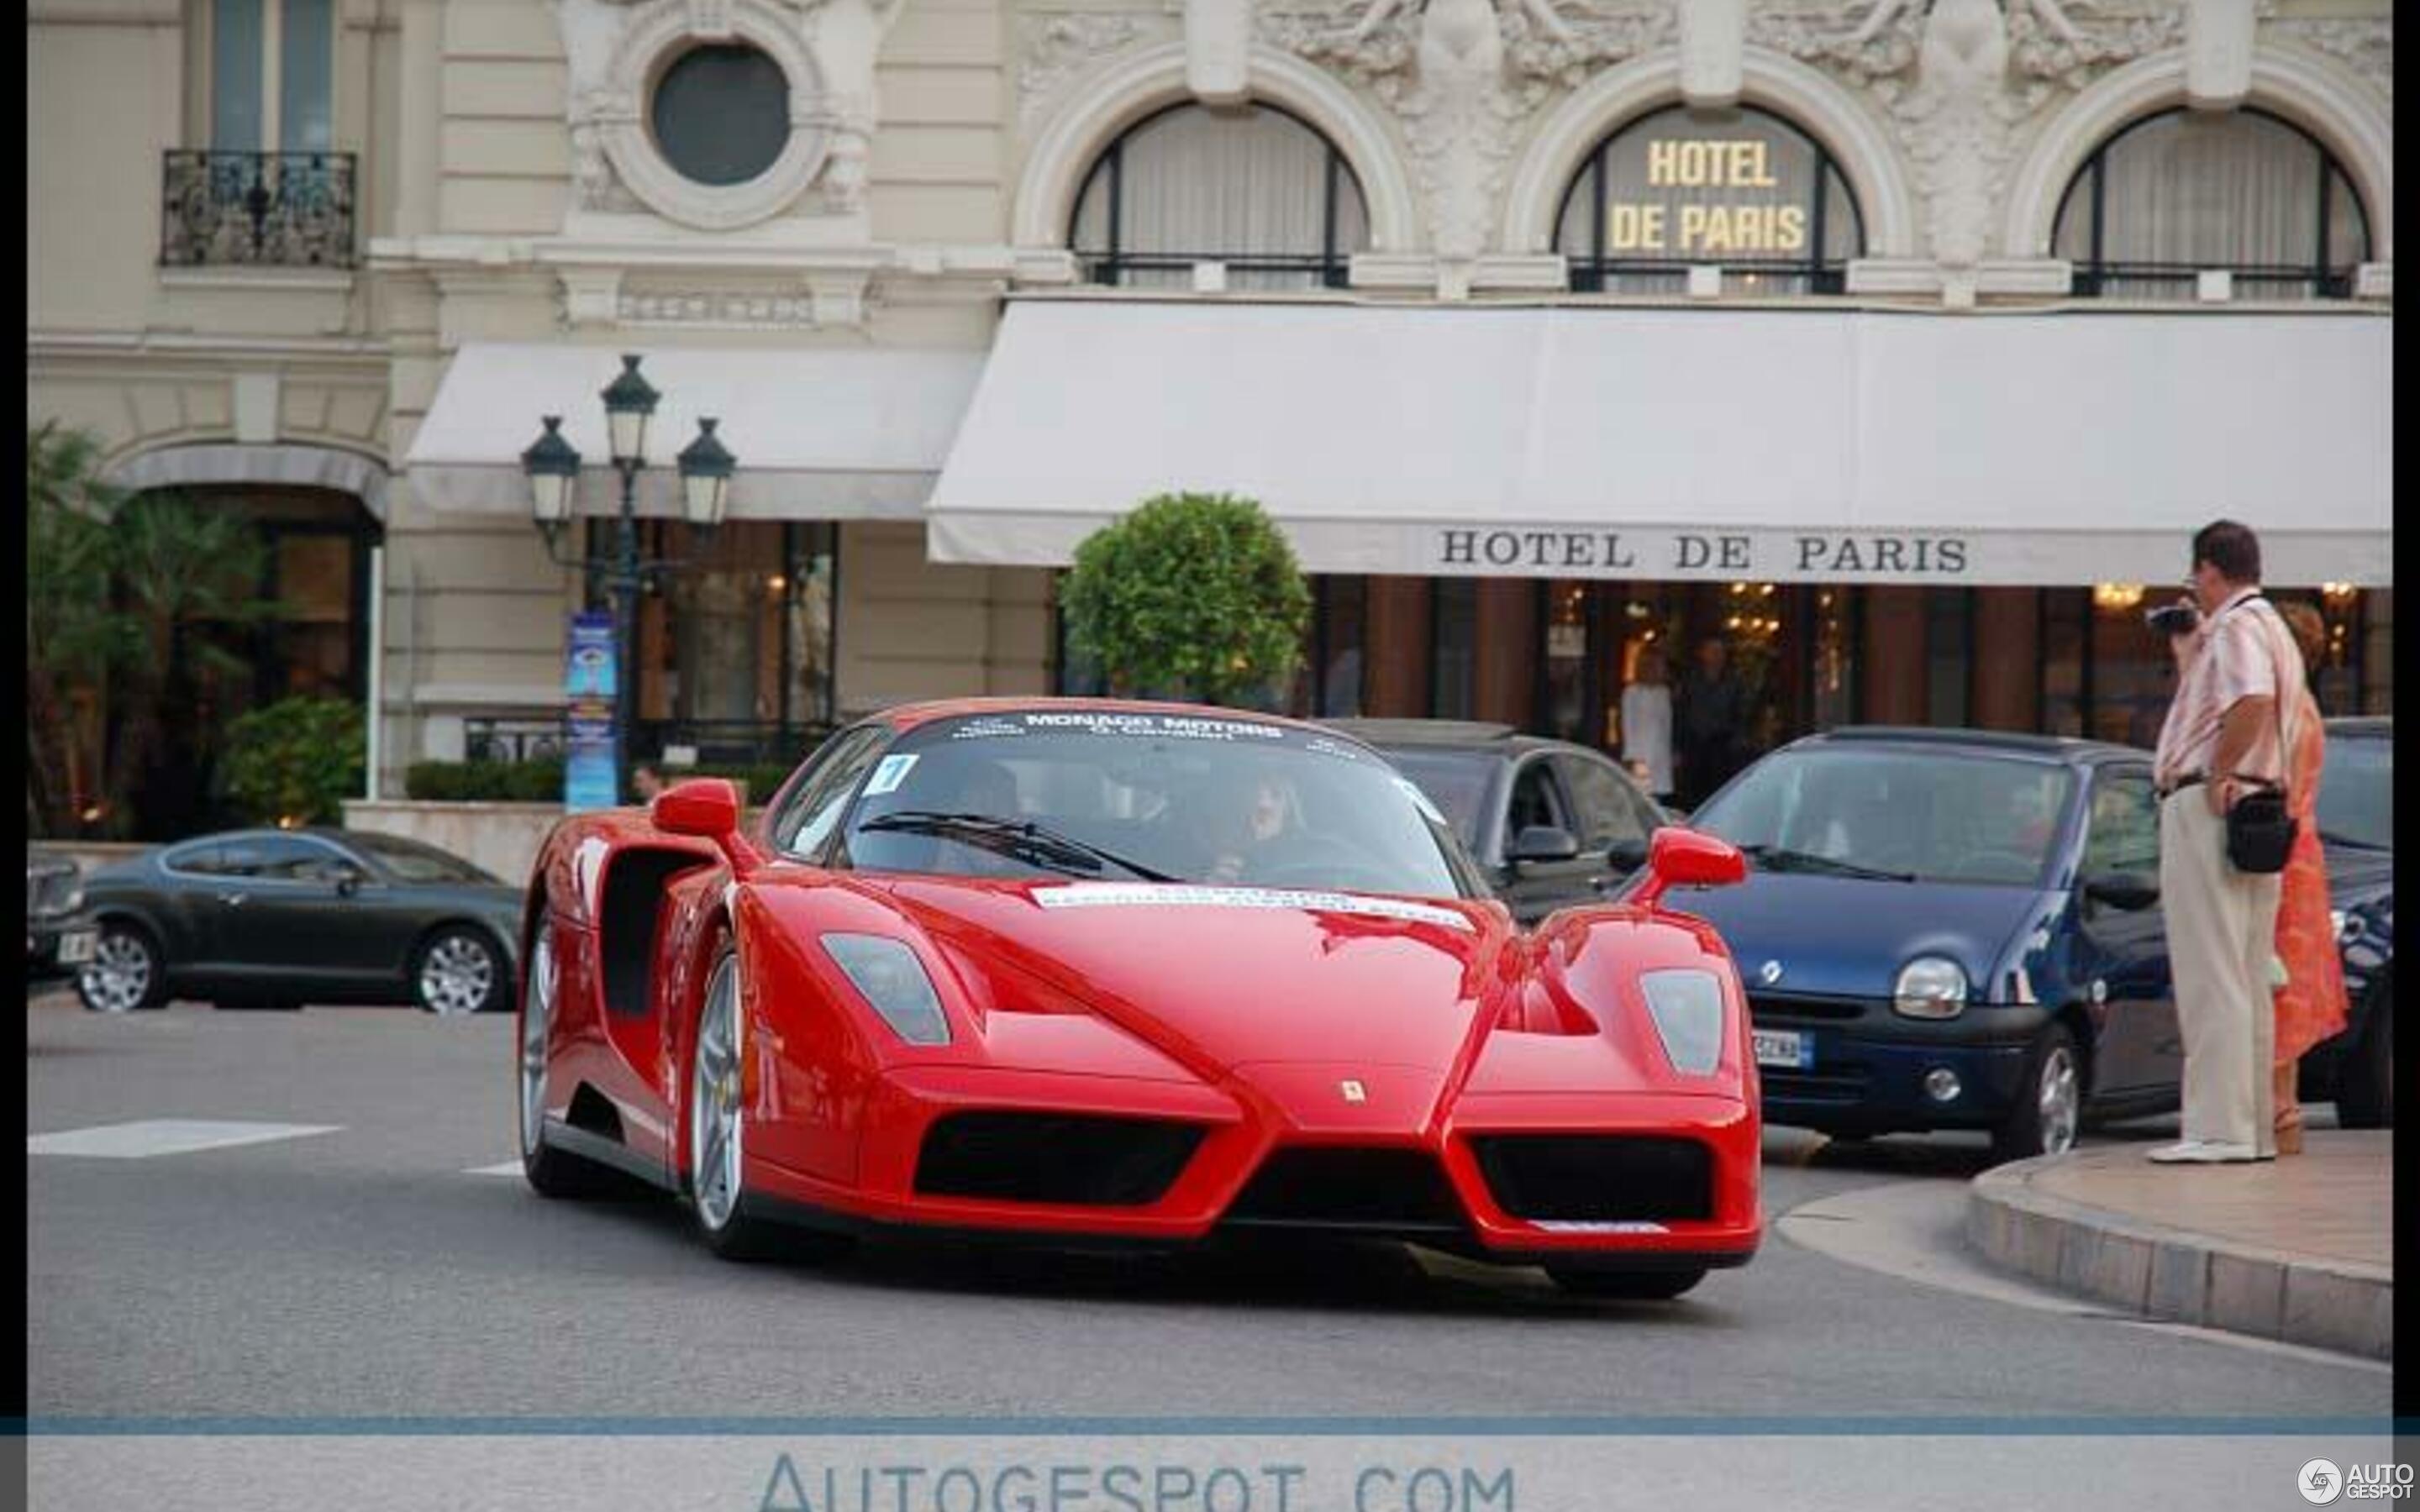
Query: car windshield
[1151,796]
[1905,815]
[412,861]
[1456,781]
[2357,791]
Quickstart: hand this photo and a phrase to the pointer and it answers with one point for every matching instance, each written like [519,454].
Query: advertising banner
[589,673]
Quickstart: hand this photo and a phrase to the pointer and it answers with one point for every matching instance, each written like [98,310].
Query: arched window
[2183,191]
[1742,189]
[1256,189]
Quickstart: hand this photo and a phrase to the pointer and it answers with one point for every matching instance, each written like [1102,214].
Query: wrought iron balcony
[263,209]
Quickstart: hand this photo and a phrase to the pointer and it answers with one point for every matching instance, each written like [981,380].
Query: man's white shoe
[2203,1152]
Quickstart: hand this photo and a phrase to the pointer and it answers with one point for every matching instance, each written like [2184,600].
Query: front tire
[459,970]
[1626,1285]
[126,973]
[2049,1110]
[550,1172]
[717,1124]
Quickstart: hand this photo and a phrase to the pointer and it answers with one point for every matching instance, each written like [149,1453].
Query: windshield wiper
[1774,857]
[1020,839]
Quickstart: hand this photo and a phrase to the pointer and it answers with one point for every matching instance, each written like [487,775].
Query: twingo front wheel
[2049,1110]
[1626,1285]
[550,1172]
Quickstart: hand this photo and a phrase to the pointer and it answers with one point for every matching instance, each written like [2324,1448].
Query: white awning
[819,434]
[2054,447]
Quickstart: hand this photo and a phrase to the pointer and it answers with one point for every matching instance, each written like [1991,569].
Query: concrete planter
[504,838]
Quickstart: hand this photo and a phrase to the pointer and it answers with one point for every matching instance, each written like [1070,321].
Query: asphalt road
[368,1270]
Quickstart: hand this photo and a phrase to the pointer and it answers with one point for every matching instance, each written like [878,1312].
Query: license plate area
[1786,1049]
[76,947]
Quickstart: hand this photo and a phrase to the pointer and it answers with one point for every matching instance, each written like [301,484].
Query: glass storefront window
[2133,676]
[1337,634]
[1454,637]
[1568,694]
[2377,644]
[1832,664]
[736,649]
[1948,653]
[2063,651]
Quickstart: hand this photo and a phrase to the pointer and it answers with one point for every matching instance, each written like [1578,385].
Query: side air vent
[1598,1178]
[1054,1157]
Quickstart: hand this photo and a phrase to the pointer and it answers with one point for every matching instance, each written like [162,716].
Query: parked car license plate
[76,947]
[1784,1047]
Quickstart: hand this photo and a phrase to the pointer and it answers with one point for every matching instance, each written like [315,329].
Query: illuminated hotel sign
[1704,199]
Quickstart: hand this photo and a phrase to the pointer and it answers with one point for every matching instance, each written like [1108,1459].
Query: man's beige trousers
[2222,930]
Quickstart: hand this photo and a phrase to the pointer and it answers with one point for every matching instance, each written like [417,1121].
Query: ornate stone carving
[2366,46]
[1462,76]
[826,50]
[826,302]
[1053,49]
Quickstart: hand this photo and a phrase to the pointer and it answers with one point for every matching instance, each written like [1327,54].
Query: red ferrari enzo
[1091,970]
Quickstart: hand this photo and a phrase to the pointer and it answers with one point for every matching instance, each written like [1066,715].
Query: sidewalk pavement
[2300,1249]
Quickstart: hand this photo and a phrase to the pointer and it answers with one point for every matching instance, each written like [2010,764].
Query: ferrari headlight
[887,973]
[1931,987]
[1687,1008]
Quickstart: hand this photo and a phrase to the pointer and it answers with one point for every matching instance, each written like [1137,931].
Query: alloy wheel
[118,979]
[2059,1096]
[538,1014]
[714,1125]
[457,975]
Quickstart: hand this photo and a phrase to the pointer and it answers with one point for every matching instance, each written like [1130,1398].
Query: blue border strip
[1314,1428]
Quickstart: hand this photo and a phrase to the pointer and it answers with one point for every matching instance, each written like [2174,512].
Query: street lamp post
[552,466]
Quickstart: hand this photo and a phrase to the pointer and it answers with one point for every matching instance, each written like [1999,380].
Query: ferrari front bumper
[1663,1177]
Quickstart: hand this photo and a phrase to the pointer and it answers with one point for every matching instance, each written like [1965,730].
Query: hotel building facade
[1900,347]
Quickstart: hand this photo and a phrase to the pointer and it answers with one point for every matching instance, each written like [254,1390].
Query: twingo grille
[1598,1178]
[1081,1159]
[1370,1190]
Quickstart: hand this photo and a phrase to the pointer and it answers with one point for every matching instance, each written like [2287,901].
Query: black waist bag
[2259,832]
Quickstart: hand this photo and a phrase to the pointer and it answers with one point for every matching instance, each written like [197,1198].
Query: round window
[721,114]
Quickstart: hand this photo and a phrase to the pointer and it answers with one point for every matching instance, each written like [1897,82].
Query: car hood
[1847,937]
[1217,979]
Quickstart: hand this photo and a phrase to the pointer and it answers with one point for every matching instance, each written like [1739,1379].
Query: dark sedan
[1950,929]
[2357,826]
[277,917]
[59,937]
[1550,823]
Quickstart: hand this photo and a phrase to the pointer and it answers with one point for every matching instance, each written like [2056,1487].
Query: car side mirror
[1677,857]
[1626,855]
[706,806]
[2131,891]
[1545,842]
[348,878]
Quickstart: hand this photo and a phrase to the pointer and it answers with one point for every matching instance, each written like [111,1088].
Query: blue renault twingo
[1950,929]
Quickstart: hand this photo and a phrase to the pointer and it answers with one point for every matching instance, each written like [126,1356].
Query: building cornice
[40,343]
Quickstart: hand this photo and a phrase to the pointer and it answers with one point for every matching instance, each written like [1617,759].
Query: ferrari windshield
[1147,796]
[1895,815]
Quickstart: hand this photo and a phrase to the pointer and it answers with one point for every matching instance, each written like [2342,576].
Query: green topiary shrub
[1197,596]
[296,761]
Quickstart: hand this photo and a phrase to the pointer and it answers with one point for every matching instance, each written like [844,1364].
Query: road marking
[501,1167]
[147,1138]
[1915,1230]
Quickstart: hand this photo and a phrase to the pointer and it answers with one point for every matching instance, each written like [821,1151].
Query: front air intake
[1079,1159]
[1598,1178]
[1372,1191]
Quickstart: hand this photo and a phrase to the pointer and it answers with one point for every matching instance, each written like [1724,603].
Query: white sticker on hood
[1149,895]
[1578,1226]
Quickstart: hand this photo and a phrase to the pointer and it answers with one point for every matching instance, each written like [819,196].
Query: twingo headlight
[890,977]
[1929,987]
[1687,1008]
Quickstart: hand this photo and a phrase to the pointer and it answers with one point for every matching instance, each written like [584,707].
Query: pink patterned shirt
[2243,651]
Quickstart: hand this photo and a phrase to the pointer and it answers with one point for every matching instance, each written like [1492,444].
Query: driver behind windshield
[1258,822]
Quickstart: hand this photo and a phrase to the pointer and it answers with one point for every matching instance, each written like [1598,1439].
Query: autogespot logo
[2320,1481]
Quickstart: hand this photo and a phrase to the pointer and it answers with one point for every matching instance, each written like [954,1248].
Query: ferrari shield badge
[1354,1091]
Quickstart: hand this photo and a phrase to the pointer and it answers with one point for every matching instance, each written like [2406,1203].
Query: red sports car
[1096,970]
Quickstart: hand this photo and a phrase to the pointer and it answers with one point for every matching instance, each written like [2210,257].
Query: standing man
[1713,722]
[2221,733]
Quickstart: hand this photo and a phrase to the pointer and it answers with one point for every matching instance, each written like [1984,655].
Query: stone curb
[2176,1274]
